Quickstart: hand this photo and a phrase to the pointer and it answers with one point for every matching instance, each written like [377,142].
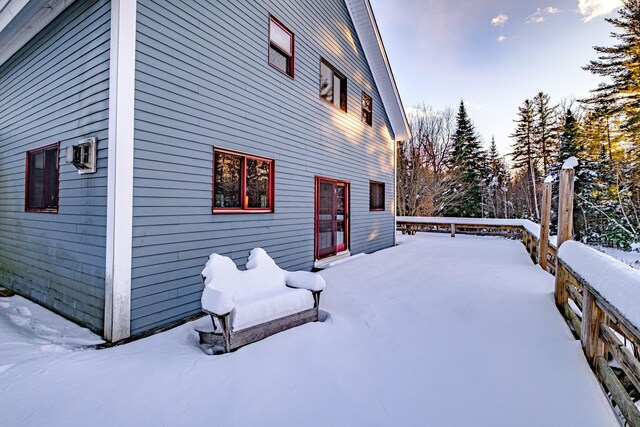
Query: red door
[332,217]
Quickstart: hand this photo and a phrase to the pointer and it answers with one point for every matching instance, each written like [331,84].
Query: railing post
[565,205]
[545,220]
[592,317]
[453,230]
[561,293]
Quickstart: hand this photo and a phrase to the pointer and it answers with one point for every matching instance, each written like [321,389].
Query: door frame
[347,220]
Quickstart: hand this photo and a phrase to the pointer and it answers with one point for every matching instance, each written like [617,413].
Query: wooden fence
[611,342]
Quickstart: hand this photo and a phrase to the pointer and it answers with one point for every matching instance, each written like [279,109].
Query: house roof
[20,20]
[369,35]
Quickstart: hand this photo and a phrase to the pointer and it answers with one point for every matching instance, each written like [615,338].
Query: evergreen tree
[545,130]
[496,182]
[620,64]
[525,152]
[466,168]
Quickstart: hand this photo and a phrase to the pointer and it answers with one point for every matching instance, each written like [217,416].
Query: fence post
[565,205]
[565,224]
[545,220]
[592,317]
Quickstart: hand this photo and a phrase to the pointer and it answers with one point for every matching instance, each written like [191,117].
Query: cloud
[499,20]
[501,39]
[593,8]
[538,17]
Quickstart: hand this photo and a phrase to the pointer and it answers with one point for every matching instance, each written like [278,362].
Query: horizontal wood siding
[203,80]
[56,89]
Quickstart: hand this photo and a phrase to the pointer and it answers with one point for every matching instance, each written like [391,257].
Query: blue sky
[493,54]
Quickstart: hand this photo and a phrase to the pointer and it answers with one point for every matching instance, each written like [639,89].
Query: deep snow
[434,332]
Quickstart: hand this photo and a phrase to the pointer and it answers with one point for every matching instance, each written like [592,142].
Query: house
[139,136]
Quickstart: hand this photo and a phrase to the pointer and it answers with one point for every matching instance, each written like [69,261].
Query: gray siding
[203,80]
[56,89]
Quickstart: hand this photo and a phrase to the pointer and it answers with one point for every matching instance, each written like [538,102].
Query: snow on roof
[369,36]
[615,281]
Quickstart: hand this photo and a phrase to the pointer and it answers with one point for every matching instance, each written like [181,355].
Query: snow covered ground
[437,331]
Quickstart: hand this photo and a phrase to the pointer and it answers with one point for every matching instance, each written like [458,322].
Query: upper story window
[242,183]
[376,196]
[333,86]
[280,47]
[367,109]
[41,179]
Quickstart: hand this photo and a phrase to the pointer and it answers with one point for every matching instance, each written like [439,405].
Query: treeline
[446,170]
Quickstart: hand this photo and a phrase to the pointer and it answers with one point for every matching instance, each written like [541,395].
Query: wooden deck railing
[527,231]
[611,342]
[597,308]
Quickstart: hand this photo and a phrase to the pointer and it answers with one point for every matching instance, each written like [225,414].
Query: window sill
[376,210]
[48,211]
[218,211]
[332,104]
[281,72]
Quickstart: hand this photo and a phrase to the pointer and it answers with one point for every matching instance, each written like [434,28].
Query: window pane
[227,186]
[326,82]
[280,37]
[50,185]
[36,180]
[376,196]
[258,185]
[278,60]
[42,179]
[337,94]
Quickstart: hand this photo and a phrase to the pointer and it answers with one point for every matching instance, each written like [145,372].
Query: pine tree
[545,130]
[466,168]
[525,151]
[620,64]
[496,182]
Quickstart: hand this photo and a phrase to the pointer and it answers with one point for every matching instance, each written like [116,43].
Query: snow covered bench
[247,306]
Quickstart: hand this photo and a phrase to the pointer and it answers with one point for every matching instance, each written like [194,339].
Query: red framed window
[242,183]
[367,109]
[281,42]
[333,86]
[42,179]
[376,196]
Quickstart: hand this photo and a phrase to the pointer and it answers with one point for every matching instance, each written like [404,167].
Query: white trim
[117,316]
[43,12]
[371,42]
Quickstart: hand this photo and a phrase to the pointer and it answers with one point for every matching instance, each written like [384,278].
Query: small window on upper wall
[242,183]
[376,196]
[367,109]
[333,86]
[41,179]
[280,47]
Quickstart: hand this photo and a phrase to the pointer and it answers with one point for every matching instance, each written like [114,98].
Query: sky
[493,54]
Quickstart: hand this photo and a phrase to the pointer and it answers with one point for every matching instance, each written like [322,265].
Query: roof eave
[21,20]
[369,35]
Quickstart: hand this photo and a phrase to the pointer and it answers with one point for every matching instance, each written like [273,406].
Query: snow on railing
[599,297]
[529,231]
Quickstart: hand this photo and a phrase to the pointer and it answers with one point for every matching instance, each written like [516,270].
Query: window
[376,196]
[367,109]
[241,183]
[41,179]
[333,86]
[280,47]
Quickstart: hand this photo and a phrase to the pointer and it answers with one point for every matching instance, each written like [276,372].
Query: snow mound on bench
[257,294]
